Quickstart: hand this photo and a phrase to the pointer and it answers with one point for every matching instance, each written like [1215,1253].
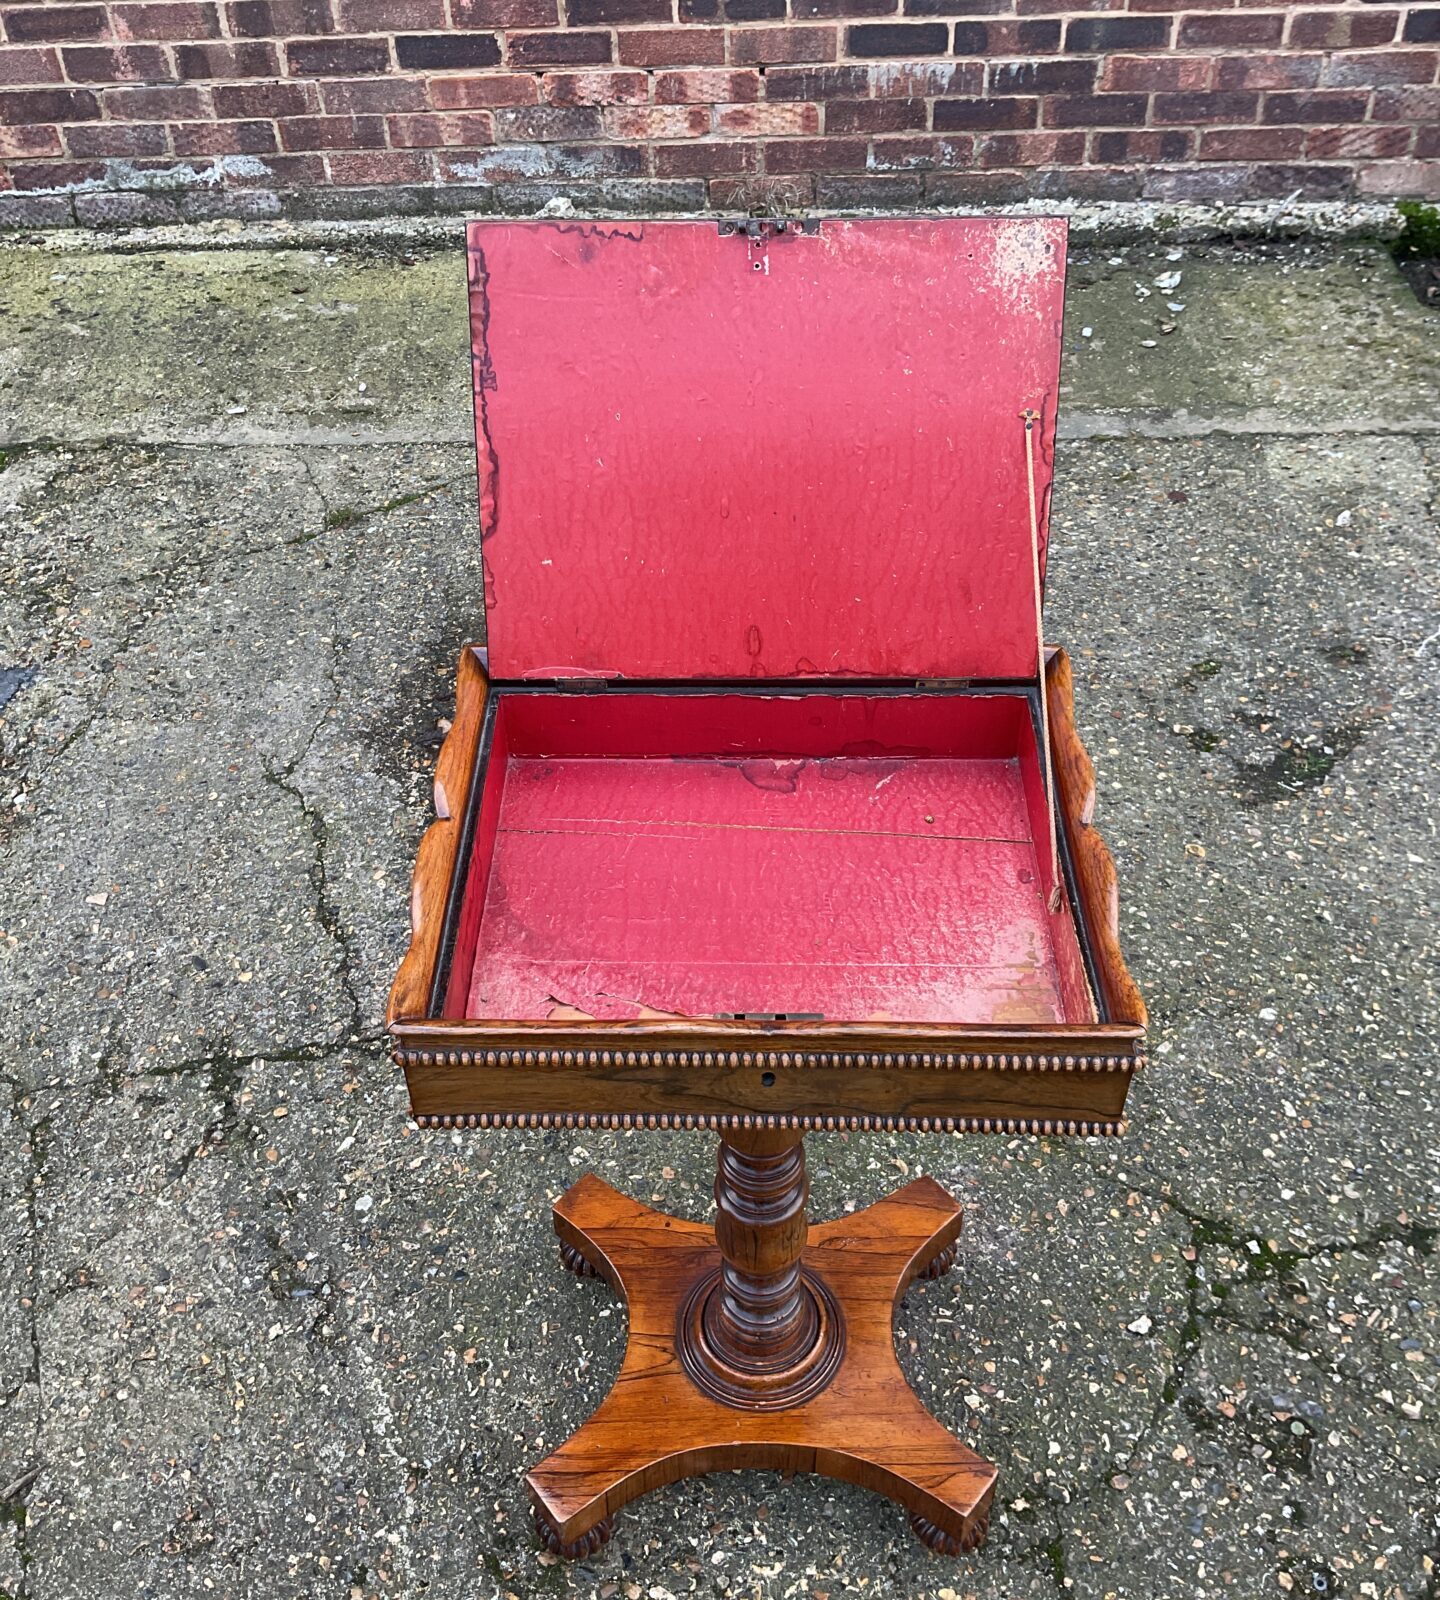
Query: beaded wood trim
[784,1059]
[684,1121]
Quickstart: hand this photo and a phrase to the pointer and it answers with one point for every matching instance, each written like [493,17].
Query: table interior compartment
[840,856]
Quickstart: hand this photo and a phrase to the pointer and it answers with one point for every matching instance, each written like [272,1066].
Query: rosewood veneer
[763,809]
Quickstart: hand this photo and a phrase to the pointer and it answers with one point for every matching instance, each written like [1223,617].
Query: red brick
[157,103]
[1094,110]
[446,52]
[29,66]
[1427,142]
[704,160]
[756,47]
[1251,144]
[895,39]
[42,23]
[1007,36]
[1094,35]
[241,100]
[360,97]
[493,89]
[975,188]
[1035,8]
[37,140]
[1011,112]
[166,19]
[1241,27]
[19,106]
[951,8]
[1317,107]
[815,155]
[380,167]
[826,83]
[902,80]
[770,121]
[283,171]
[336,58]
[54,175]
[657,122]
[386,16]
[434,130]
[1410,104]
[1149,145]
[226,61]
[1374,69]
[737,10]
[706,87]
[914,153]
[332,133]
[1267,72]
[1384,142]
[1149,73]
[672,47]
[808,10]
[1418,178]
[503,13]
[1046,149]
[1339,30]
[1150,6]
[546,124]
[875,116]
[223,138]
[1234,106]
[126,63]
[558,49]
[513,163]
[600,13]
[112,140]
[1041,77]
[275,19]
[596,88]
[866,191]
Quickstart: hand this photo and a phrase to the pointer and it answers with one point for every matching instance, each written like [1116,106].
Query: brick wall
[135,110]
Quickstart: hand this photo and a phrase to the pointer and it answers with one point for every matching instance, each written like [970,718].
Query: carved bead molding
[710,1059]
[678,1121]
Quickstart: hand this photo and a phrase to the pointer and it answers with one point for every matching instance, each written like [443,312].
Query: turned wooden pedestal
[760,1342]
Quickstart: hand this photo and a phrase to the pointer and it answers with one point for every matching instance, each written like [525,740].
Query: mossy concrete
[260,1337]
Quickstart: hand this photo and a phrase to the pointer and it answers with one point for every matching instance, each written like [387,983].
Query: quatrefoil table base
[818,1390]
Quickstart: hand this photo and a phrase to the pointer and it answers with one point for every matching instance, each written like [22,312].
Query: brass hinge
[756,227]
[581,685]
[771,1016]
[943,683]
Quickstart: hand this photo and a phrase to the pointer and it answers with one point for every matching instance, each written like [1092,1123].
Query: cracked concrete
[259,1336]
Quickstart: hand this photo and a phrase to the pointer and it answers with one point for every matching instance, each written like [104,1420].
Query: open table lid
[706,454]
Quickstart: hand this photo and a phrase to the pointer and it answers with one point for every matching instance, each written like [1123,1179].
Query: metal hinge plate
[757,227]
[943,683]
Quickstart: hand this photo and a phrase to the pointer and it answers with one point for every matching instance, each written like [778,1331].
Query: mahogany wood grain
[436,856]
[1094,868]
[866,1426]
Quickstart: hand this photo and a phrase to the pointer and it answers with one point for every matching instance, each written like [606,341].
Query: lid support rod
[1031,417]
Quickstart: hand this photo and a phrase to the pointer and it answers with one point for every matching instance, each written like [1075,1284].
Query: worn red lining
[650,855]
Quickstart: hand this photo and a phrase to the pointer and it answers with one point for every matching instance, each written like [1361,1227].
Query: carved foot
[573,1261]
[587,1544]
[951,1544]
[939,1265]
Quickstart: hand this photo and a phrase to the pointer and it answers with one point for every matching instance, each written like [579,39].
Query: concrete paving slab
[261,1337]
